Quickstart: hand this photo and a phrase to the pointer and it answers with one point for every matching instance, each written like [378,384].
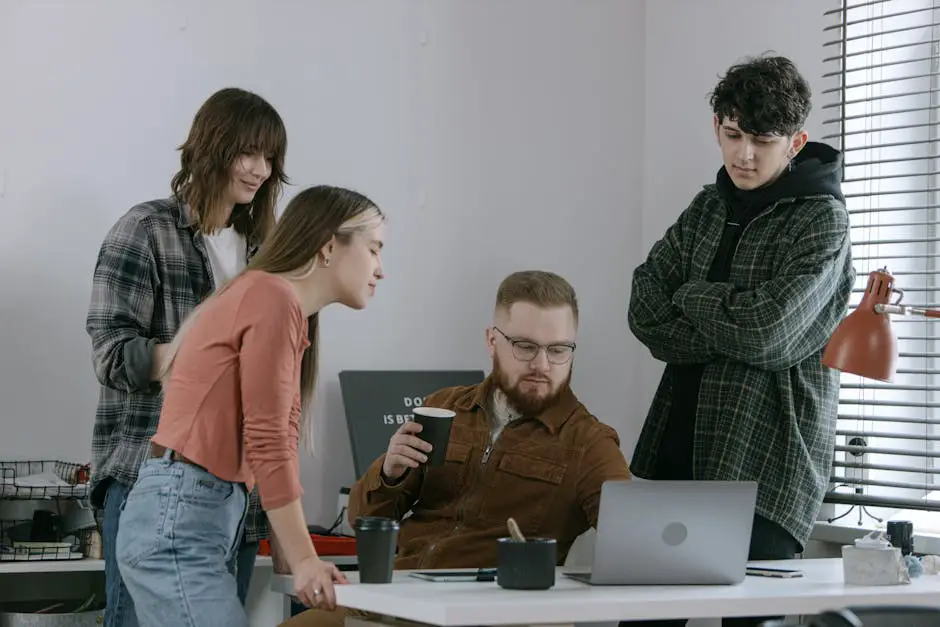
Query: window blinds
[882,109]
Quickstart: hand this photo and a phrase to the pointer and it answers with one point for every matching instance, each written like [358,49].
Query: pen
[486,574]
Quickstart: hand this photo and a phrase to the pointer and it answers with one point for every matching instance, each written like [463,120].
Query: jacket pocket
[443,484]
[528,467]
[525,487]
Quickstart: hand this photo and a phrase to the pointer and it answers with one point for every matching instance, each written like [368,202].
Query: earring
[326,262]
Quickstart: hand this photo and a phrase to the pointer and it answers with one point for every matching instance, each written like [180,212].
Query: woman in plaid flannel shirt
[157,262]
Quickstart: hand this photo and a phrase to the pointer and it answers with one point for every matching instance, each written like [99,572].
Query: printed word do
[400,419]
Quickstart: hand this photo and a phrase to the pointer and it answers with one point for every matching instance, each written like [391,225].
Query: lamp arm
[907,310]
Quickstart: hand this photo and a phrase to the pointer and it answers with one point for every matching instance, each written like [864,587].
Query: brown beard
[526,404]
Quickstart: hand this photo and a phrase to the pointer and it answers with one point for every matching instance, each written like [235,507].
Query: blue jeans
[180,530]
[243,566]
[119,605]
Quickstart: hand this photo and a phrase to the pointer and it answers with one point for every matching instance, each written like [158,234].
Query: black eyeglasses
[527,350]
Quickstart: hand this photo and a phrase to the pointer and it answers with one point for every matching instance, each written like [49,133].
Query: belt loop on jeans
[169,455]
[163,452]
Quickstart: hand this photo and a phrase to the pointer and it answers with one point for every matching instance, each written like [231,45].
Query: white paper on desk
[24,487]
[41,480]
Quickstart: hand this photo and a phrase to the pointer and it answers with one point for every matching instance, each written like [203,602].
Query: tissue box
[873,567]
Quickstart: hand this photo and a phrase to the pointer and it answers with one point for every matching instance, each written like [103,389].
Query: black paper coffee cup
[435,430]
[376,541]
[901,535]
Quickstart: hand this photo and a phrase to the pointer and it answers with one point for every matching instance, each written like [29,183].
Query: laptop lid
[377,402]
[673,532]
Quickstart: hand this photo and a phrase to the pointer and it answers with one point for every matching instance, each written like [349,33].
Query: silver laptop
[672,533]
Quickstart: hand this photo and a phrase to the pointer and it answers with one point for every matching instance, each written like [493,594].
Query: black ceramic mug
[526,565]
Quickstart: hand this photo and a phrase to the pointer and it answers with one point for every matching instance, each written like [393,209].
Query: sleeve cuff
[388,483]
[290,491]
[680,295]
[697,298]
[138,362]
[375,480]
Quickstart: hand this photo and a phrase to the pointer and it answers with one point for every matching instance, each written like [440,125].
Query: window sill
[925,541]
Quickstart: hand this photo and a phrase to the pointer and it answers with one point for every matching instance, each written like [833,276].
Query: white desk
[465,604]
[41,579]
[92,565]
[266,607]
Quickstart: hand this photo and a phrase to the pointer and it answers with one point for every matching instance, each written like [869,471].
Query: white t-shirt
[228,254]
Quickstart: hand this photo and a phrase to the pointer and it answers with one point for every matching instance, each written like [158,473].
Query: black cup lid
[375,523]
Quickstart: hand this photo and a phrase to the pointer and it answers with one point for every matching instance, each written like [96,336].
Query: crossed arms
[772,327]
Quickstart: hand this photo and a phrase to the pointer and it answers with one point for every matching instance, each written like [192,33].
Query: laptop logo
[675,534]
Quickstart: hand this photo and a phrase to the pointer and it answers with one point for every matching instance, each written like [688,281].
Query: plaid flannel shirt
[152,270]
[767,406]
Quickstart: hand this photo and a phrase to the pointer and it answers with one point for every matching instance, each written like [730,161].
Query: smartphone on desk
[779,573]
[470,574]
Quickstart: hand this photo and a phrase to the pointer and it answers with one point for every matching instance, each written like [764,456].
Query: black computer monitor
[377,402]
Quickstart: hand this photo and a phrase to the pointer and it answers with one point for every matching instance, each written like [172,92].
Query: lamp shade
[864,343]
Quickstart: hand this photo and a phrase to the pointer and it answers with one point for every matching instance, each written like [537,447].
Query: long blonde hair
[312,218]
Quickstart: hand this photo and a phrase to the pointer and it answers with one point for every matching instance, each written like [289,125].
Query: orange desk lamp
[864,343]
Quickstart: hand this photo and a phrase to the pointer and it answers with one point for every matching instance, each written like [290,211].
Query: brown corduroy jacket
[546,472]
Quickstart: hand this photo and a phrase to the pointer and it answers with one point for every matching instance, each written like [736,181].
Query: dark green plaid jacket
[767,406]
[152,270]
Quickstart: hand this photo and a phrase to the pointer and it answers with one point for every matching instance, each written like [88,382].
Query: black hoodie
[817,169]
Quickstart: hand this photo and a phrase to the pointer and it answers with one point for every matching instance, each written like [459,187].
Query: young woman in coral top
[242,371]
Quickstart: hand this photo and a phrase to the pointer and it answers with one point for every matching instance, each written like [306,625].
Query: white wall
[689,45]
[497,135]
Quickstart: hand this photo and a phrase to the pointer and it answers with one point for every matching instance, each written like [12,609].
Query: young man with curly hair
[739,298]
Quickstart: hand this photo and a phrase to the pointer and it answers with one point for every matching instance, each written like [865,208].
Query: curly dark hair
[764,95]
